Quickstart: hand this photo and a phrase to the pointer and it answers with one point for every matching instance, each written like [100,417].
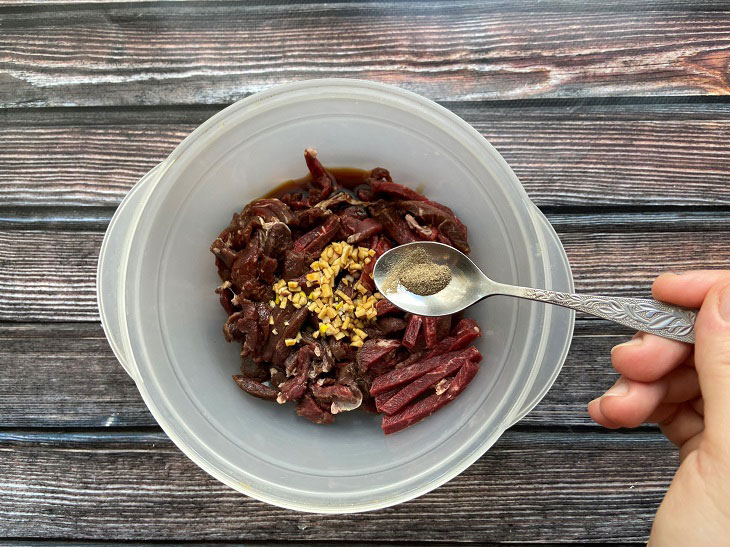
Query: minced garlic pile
[339,315]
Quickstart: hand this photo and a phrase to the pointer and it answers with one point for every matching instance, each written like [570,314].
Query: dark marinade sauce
[348,178]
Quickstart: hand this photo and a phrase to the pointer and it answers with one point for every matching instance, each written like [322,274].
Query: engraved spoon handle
[645,315]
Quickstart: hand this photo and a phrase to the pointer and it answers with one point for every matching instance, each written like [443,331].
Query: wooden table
[610,113]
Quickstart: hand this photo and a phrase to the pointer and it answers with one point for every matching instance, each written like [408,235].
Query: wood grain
[591,487]
[50,275]
[65,375]
[576,155]
[189,54]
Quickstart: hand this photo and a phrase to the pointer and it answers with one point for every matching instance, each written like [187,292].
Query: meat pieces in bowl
[296,269]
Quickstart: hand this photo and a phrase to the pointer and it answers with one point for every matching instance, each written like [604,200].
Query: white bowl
[156,281]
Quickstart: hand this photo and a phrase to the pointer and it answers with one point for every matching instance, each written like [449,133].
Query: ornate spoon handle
[645,315]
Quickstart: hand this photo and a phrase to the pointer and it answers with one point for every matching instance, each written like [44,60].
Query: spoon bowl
[455,297]
[469,285]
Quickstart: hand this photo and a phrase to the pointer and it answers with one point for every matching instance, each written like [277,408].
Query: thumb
[712,361]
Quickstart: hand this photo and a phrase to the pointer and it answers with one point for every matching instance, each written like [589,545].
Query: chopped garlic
[340,315]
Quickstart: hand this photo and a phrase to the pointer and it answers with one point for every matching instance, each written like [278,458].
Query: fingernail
[633,342]
[725,303]
[620,388]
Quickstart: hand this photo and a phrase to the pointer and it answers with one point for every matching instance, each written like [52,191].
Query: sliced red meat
[425,407]
[317,239]
[327,394]
[341,350]
[465,332]
[443,326]
[422,384]
[295,387]
[316,169]
[391,325]
[412,358]
[250,326]
[363,229]
[366,281]
[225,294]
[393,189]
[307,218]
[427,233]
[223,253]
[255,371]
[393,223]
[294,200]
[429,331]
[381,399]
[308,408]
[380,174]
[287,323]
[381,367]
[269,209]
[322,182]
[385,307]
[354,209]
[380,247]
[441,238]
[412,329]
[257,389]
[295,265]
[435,214]
[267,267]
[373,351]
[451,231]
[400,376]
[365,194]
[244,272]
[277,239]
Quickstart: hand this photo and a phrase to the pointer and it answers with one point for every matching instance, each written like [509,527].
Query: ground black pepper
[419,274]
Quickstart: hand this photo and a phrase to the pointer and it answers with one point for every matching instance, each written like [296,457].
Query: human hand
[686,390]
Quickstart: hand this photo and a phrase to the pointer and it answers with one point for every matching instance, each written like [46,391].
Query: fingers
[647,357]
[629,403]
[712,362]
[699,406]
[683,425]
[688,289]
[594,411]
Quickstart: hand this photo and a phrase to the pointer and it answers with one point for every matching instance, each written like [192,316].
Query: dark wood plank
[592,487]
[65,375]
[49,275]
[202,53]
[575,155]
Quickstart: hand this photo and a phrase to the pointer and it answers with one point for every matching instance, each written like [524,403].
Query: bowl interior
[174,319]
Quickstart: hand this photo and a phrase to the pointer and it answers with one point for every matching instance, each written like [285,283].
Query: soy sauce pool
[348,178]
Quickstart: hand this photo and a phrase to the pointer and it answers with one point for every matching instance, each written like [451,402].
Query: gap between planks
[618,219]
[511,5]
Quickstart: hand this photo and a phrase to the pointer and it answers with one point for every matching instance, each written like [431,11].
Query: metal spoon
[469,285]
